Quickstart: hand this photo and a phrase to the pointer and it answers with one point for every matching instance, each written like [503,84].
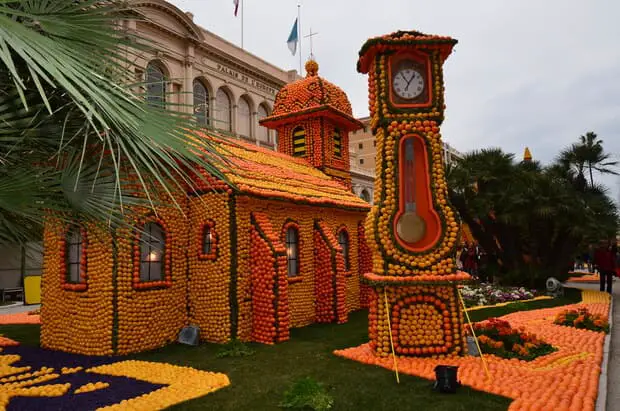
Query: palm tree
[73,135]
[595,156]
[539,217]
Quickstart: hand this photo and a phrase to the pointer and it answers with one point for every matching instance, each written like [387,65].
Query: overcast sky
[536,73]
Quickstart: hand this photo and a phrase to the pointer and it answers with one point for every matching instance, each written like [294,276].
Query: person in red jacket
[605,261]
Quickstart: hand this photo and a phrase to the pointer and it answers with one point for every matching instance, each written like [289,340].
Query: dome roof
[310,92]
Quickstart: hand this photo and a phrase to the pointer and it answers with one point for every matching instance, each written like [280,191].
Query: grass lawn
[259,381]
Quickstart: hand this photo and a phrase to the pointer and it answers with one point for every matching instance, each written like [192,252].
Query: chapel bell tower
[313,118]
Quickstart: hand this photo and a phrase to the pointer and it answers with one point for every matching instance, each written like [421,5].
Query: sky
[535,73]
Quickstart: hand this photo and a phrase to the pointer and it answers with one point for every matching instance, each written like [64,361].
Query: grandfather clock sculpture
[412,229]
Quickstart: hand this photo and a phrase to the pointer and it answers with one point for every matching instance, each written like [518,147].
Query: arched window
[365,195]
[337,137]
[343,240]
[223,111]
[201,103]
[263,132]
[209,241]
[292,251]
[152,248]
[299,142]
[74,243]
[155,85]
[244,118]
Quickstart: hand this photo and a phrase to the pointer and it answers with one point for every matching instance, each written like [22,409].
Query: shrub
[235,348]
[582,319]
[497,337]
[307,393]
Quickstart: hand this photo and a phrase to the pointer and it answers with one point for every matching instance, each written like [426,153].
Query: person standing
[605,261]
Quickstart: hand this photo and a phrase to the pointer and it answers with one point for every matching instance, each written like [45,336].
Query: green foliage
[532,219]
[307,393]
[74,128]
[582,319]
[235,348]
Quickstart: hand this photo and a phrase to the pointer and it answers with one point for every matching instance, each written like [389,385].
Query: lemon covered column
[412,228]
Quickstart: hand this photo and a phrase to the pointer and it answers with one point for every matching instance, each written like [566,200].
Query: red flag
[236,3]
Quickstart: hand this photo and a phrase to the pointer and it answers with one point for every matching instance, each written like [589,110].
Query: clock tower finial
[413,229]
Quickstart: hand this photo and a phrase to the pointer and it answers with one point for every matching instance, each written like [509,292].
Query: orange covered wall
[152,317]
[301,290]
[209,293]
[71,320]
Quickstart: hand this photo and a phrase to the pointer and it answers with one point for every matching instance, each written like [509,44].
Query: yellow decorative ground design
[20,382]
[595,297]
[181,383]
[184,383]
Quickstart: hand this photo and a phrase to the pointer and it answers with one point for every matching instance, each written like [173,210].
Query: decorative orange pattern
[210,279]
[564,380]
[77,321]
[309,92]
[425,321]
[264,173]
[330,276]
[270,313]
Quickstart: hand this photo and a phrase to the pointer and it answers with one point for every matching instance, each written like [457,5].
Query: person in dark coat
[605,261]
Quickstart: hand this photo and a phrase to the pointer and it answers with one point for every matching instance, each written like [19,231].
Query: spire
[527,156]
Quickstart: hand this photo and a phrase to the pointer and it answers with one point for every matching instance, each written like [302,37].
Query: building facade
[196,71]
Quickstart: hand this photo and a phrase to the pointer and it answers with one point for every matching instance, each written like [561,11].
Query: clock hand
[410,80]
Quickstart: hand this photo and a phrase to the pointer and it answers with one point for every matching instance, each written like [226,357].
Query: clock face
[408,83]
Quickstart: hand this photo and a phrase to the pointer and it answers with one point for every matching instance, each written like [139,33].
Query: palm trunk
[591,178]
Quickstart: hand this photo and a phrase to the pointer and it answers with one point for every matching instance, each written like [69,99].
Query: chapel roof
[311,95]
[269,174]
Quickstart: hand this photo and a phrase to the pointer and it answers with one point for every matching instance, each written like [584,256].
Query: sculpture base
[426,320]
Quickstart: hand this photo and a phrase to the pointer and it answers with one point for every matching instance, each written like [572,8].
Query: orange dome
[310,92]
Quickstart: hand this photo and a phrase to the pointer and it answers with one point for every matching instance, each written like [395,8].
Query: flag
[292,39]
[236,3]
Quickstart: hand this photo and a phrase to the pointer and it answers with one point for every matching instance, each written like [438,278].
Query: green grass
[259,381]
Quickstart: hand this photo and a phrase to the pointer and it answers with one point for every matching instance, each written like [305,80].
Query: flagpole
[242,10]
[299,33]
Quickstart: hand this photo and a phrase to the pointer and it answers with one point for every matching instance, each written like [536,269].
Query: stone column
[188,83]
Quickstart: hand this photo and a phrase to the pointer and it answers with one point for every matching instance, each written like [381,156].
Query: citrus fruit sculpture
[412,228]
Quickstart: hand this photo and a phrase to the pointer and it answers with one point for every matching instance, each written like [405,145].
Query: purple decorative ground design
[121,388]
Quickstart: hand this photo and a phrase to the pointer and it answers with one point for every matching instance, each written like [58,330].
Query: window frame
[293,145]
[148,84]
[166,279]
[346,255]
[260,130]
[243,122]
[207,101]
[213,252]
[291,225]
[337,143]
[217,121]
[82,283]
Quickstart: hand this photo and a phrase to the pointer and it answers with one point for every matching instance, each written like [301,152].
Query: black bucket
[446,379]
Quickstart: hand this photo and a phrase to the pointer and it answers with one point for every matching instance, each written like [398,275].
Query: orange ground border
[20,318]
[564,380]
[587,278]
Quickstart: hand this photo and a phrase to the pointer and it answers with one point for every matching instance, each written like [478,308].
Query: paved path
[17,308]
